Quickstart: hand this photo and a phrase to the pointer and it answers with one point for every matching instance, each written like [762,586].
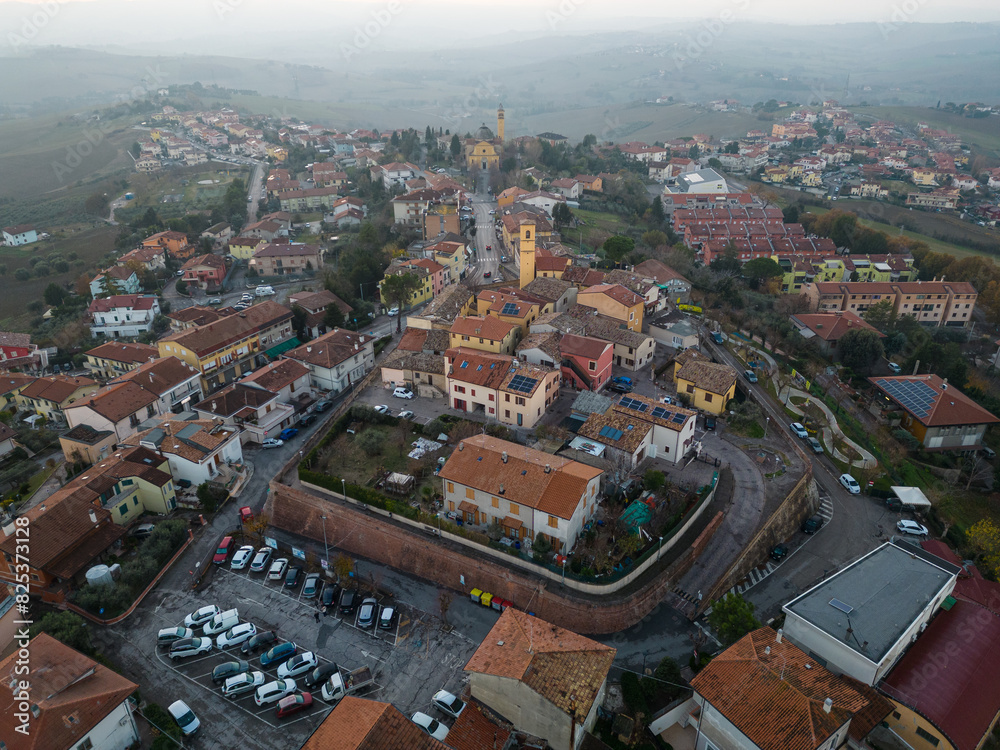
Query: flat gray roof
[878,597]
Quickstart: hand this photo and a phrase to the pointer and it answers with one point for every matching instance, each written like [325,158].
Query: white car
[434,728]
[242,683]
[272,443]
[184,717]
[850,484]
[406,414]
[382,409]
[393,312]
[190,647]
[278,569]
[450,704]
[911,527]
[236,635]
[242,557]
[799,430]
[298,664]
[203,615]
[260,560]
[894,368]
[273,691]
[401,392]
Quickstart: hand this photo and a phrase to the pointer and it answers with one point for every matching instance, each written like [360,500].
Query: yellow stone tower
[500,123]
[526,253]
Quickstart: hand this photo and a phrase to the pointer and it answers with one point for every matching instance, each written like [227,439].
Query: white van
[264,291]
[222,622]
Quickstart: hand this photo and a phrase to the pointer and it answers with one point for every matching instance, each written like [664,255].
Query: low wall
[362,532]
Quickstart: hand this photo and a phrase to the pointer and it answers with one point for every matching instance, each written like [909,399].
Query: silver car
[243,683]
[190,647]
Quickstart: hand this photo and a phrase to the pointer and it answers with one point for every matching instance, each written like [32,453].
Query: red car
[222,553]
[246,515]
[292,704]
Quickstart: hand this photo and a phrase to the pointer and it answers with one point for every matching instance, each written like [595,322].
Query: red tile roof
[766,691]
[832,326]
[489,327]
[359,724]
[130,301]
[949,675]
[474,730]
[949,407]
[123,351]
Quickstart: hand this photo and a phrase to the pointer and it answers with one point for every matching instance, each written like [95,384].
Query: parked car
[190,647]
[322,406]
[278,569]
[318,675]
[259,642]
[911,527]
[168,636]
[307,419]
[311,586]
[242,557]
[292,704]
[750,375]
[387,617]
[381,409]
[297,665]
[229,669]
[222,622]
[199,617]
[366,614]
[215,301]
[243,683]
[272,443]
[717,337]
[331,592]
[260,560]
[799,430]
[236,635]
[850,484]
[779,552]
[246,515]
[894,368]
[450,704]
[709,422]
[814,444]
[223,550]
[405,414]
[288,433]
[184,717]
[812,524]
[393,312]
[142,531]
[400,392]
[348,601]
[294,577]
[988,453]
[434,728]
[281,652]
[273,692]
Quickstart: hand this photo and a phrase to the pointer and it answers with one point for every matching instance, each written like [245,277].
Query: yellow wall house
[48,396]
[709,386]
[423,292]
[616,302]
[244,247]
[486,334]
[925,177]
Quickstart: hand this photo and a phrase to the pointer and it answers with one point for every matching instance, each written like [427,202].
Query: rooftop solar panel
[679,418]
[522,384]
[509,309]
[913,395]
[634,404]
[660,413]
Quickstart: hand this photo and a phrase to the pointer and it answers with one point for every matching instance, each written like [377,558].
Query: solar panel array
[522,384]
[510,308]
[634,404]
[679,418]
[913,395]
[611,433]
[660,413]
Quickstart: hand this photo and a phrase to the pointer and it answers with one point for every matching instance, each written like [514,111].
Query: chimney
[166,426]
[944,384]
[93,516]
[309,350]
[777,638]
[461,446]
[548,469]
[767,651]
[355,347]
[502,489]
[828,705]
[503,456]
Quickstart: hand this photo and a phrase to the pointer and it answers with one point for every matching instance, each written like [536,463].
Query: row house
[285,259]
[511,305]
[336,360]
[487,334]
[453,255]
[122,316]
[931,303]
[632,350]
[48,397]
[256,413]
[313,199]
[944,199]
[584,361]
[115,358]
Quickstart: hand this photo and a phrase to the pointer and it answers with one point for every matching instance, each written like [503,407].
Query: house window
[896,715]
[515,509]
[690,389]
[553,522]
[85,745]
[496,502]
[927,737]
[451,487]
[708,398]
[470,493]
[592,366]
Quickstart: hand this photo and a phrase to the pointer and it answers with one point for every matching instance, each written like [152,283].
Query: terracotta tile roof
[124,351]
[331,348]
[546,342]
[55,388]
[479,463]
[115,402]
[587,322]
[126,301]
[277,375]
[73,694]
[664,418]
[583,277]
[213,261]
[478,368]
[413,340]
[631,281]
[709,376]
[765,690]
[193,440]
[474,730]
[11,381]
[318,301]
[633,430]
[447,305]
[161,375]
[690,355]
[359,724]
[489,327]
[962,698]
[286,250]
[549,288]
[234,398]
[426,362]
[583,346]
[832,326]
[947,405]
[615,291]
[553,662]
[890,287]
[196,315]
[231,328]
[8,338]
[6,433]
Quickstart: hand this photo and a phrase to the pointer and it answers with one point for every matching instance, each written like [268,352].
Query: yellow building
[775,174]
[812,179]
[794,171]
[509,308]
[616,302]
[925,177]
[244,247]
[482,150]
[510,195]
[422,293]
[485,334]
[278,153]
[500,123]
[708,386]
[49,396]
[526,251]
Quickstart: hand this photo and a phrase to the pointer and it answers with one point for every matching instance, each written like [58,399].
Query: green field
[598,227]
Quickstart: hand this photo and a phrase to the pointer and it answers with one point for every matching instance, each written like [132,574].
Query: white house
[75,701]
[543,200]
[175,384]
[395,174]
[20,234]
[289,379]
[123,315]
[123,280]
[119,408]
[255,411]
[198,450]
[336,359]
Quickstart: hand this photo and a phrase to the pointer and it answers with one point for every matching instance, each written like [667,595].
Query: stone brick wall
[362,534]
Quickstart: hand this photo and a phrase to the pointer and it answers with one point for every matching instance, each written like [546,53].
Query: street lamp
[326,549]
[767,421]
[343,486]
[659,548]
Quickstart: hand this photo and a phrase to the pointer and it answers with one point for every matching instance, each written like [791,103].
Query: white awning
[912,496]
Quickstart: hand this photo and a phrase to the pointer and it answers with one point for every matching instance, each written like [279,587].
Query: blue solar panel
[660,412]
[679,418]
[522,384]
[611,433]
[913,395]
[632,403]
[509,309]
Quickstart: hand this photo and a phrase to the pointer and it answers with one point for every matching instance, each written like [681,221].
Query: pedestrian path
[867,460]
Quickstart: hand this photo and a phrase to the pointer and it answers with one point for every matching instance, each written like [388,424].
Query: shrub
[162,721]
[371,441]
[633,694]
[22,274]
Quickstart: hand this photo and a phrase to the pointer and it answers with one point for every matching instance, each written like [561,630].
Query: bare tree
[977,469]
[444,603]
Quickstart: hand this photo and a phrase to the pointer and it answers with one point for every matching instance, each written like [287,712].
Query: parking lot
[409,661]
